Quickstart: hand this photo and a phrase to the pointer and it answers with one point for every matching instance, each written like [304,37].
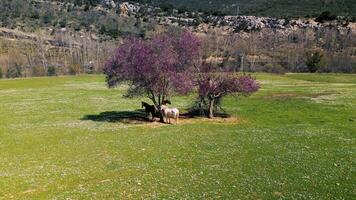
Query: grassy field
[72,138]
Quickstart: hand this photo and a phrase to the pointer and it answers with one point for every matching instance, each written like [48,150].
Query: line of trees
[64,54]
[279,51]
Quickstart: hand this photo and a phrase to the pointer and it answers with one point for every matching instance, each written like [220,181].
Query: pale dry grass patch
[86,86]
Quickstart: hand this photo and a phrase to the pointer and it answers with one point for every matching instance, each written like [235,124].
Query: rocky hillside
[200,21]
[48,37]
[108,19]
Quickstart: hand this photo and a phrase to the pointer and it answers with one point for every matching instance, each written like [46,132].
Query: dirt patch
[282,96]
[105,181]
[317,95]
[29,191]
[288,96]
[197,120]
[215,120]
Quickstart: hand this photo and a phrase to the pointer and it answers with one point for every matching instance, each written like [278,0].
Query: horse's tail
[177,116]
[176,113]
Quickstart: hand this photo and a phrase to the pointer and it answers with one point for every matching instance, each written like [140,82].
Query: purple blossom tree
[214,84]
[157,67]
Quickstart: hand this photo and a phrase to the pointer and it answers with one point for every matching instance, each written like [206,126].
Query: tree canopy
[214,83]
[156,67]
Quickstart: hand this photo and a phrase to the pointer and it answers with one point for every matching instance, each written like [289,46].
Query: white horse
[169,113]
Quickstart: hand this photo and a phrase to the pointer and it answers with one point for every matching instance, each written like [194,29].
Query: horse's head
[166,102]
[163,107]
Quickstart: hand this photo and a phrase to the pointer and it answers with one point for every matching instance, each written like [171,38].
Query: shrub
[74,69]
[1,73]
[51,71]
[314,60]
[13,71]
[47,18]
[110,28]
[63,23]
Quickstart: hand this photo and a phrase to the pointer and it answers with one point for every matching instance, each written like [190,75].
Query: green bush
[52,71]
[47,18]
[62,22]
[1,73]
[110,28]
[314,60]
[13,72]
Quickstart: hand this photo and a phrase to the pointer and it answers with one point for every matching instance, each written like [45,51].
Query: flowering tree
[157,67]
[213,85]
[170,63]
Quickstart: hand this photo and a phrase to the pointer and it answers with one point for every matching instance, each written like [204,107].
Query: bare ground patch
[288,96]
[196,120]
[138,118]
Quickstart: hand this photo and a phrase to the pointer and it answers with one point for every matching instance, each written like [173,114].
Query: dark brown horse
[150,110]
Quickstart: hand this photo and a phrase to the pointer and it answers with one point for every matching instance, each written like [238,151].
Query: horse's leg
[150,116]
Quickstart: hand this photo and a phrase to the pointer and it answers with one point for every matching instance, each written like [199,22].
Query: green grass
[295,139]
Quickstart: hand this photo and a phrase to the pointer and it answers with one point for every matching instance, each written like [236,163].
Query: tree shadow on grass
[130,117]
[139,116]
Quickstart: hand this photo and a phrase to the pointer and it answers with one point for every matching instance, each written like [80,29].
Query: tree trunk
[157,104]
[160,114]
[211,108]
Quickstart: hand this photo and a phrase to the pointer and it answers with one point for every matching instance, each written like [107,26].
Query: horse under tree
[157,67]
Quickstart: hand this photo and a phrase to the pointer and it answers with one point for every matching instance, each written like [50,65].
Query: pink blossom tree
[214,84]
[157,67]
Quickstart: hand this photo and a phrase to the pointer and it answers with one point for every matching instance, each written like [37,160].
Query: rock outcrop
[195,20]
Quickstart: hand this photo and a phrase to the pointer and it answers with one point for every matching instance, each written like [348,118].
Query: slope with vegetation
[274,8]
[271,8]
[74,36]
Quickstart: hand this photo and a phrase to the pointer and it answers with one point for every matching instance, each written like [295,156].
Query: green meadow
[73,138]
